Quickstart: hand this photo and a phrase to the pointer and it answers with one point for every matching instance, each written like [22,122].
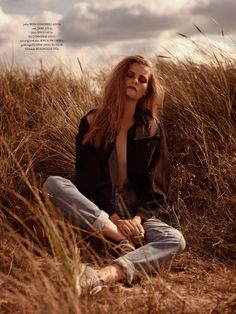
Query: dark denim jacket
[148,167]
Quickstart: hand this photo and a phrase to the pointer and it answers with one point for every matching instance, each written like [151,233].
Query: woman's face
[136,81]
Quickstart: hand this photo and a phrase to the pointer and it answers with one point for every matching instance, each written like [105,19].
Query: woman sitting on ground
[122,177]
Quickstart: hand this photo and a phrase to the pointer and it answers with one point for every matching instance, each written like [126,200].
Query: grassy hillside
[40,253]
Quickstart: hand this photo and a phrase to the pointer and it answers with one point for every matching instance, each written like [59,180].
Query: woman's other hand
[127,227]
[139,236]
[131,228]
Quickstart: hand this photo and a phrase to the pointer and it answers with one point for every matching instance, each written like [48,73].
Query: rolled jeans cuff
[75,207]
[101,220]
[128,268]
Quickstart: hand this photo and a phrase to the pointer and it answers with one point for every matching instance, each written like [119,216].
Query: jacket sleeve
[159,172]
[88,169]
[157,178]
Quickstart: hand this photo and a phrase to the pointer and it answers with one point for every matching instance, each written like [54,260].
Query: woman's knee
[179,240]
[164,233]
[51,184]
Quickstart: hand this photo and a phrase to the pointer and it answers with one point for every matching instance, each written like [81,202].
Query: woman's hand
[127,227]
[139,236]
[131,228]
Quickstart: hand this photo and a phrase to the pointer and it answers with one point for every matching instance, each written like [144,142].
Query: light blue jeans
[162,242]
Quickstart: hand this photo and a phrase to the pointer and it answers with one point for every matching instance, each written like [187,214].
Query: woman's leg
[79,210]
[111,273]
[163,244]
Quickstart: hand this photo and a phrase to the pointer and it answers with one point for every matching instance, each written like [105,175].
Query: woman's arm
[87,166]
[159,169]
[156,179]
[88,170]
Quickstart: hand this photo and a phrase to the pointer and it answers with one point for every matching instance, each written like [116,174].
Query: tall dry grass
[200,116]
[40,252]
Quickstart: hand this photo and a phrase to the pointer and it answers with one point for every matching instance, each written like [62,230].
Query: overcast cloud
[96,30]
[223,12]
[85,25]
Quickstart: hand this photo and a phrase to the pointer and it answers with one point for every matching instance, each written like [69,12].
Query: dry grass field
[40,253]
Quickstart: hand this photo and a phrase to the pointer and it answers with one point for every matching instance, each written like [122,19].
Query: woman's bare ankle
[111,273]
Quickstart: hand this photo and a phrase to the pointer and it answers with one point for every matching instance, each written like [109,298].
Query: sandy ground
[189,285]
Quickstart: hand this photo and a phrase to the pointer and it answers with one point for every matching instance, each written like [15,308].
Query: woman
[122,176]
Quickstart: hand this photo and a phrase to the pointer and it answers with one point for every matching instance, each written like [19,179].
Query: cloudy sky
[99,31]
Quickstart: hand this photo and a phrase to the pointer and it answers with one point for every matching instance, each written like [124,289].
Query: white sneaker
[88,282]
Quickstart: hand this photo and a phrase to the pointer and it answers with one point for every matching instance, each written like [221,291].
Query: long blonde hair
[107,120]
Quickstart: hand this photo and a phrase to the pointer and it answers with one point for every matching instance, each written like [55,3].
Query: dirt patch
[192,285]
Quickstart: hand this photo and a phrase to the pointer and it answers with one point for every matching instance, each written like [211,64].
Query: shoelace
[97,289]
